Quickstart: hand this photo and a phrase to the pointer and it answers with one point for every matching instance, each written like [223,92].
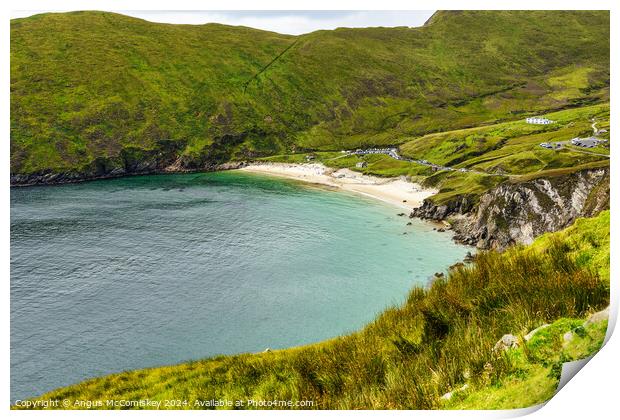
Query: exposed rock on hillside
[113,168]
[517,212]
[597,317]
[508,341]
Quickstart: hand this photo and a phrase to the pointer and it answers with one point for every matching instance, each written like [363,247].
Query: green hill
[495,152]
[440,339]
[92,92]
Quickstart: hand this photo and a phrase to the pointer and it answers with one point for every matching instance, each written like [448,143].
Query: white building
[538,120]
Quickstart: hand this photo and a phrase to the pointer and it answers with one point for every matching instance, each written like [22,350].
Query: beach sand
[395,191]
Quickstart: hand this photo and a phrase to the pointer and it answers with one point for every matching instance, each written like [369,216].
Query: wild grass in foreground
[441,338]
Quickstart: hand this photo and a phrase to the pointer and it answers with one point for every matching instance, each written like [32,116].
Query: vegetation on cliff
[441,338]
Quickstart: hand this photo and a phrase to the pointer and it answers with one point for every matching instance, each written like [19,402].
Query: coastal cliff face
[517,212]
[167,157]
[127,164]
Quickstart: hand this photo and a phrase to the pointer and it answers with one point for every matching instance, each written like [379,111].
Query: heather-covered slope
[94,92]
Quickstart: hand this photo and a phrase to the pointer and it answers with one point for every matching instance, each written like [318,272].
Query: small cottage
[538,120]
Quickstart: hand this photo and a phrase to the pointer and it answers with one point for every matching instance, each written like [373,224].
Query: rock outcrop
[516,212]
[112,169]
[597,317]
[462,204]
[508,341]
[532,333]
[167,156]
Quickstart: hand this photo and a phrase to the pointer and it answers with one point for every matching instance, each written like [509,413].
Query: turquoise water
[144,271]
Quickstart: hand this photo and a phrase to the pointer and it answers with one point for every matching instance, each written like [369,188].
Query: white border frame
[591,394]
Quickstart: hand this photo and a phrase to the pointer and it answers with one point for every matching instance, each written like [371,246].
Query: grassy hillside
[512,148]
[94,89]
[495,153]
[440,339]
[536,367]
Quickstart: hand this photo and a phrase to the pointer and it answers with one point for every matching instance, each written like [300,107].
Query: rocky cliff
[517,212]
[137,162]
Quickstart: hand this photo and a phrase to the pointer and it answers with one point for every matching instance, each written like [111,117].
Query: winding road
[393,153]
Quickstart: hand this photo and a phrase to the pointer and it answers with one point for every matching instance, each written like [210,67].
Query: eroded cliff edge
[516,212]
[132,161]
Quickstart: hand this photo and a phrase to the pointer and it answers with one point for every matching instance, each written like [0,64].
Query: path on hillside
[255,77]
[573,149]
[393,153]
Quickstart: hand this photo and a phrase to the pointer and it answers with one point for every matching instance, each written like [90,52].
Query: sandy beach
[395,191]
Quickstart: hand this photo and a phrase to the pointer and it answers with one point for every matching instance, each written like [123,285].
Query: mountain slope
[94,92]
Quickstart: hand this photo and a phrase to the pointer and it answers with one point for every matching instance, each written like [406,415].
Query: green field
[451,326]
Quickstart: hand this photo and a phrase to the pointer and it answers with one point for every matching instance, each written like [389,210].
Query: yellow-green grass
[585,243]
[378,165]
[537,363]
[412,354]
[512,147]
[454,184]
[569,82]
[508,151]
[496,153]
[598,164]
[505,151]
[319,157]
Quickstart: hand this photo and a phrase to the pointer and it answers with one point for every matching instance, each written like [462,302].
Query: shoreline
[63,178]
[397,192]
